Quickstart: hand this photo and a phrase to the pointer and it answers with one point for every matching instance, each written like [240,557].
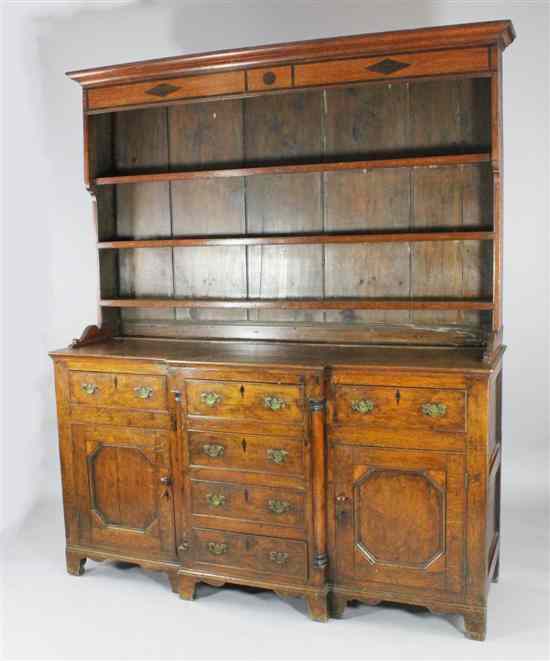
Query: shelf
[407,162]
[301,304]
[298,239]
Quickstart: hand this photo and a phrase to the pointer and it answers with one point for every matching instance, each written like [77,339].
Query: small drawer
[133,391]
[256,401]
[266,79]
[380,407]
[264,454]
[264,555]
[248,502]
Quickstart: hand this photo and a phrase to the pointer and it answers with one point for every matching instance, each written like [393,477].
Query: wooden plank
[405,65]
[165,90]
[296,168]
[143,211]
[364,122]
[208,134]
[302,239]
[301,304]
[279,128]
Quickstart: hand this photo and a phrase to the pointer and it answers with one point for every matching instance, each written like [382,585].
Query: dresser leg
[174,582]
[338,603]
[75,563]
[317,607]
[187,586]
[475,625]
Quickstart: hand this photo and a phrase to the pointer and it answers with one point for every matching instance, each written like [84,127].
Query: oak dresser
[295,380]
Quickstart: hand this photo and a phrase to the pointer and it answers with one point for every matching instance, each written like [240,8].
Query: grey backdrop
[50,290]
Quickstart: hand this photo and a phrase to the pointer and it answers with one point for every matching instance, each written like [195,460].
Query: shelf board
[299,239]
[301,304]
[406,162]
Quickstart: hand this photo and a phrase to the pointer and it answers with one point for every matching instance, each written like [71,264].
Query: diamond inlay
[388,66]
[162,90]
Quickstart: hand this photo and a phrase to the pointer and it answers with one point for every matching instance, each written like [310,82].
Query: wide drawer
[252,553]
[401,408]
[257,401]
[248,502]
[404,65]
[265,454]
[134,391]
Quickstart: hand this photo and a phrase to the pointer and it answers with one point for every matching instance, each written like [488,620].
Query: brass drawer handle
[184,547]
[434,409]
[216,548]
[213,450]
[362,405]
[274,403]
[278,506]
[276,455]
[143,392]
[215,499]
[89,388]
[211,398]
[278,557]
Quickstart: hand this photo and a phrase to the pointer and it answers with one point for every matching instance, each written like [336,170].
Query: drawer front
[157,91]
[264,454]
[404,65]
[264,555]
[401,408]
[133,391]
[258,401]
[266,79]
[248,502]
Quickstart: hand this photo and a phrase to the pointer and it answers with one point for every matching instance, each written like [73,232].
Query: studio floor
[126,613]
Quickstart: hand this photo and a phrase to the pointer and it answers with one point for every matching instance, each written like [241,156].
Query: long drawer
[261,504]
[250,553]
[395,408]
[265,454]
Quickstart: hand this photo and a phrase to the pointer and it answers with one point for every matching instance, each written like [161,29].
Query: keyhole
[246,495]
[243,445]
[242,391]
[397,396]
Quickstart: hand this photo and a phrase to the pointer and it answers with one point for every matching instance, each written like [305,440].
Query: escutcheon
[213,450]
[215,499]
[211,398]
[278,557]
[144,392]
[278,506]
[217,548]
[434,409]
[362,405]
[89,388]
[274,403]
[276,455]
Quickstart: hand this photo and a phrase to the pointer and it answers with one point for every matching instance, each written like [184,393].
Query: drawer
[270,505]
[257,401]
[265,454]
[401,408]
[404,65]
[252,553]
[134,391]
[269,79]
[156,91]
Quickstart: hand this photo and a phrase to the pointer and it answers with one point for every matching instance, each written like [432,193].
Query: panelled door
[124,488]
[399,517]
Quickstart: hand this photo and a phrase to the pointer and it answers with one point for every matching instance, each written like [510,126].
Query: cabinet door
[399,518]
[123,488]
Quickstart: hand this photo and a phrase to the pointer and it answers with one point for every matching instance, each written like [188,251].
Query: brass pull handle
[184,547]
[342,499]
[216,548]
[278,506]
[213,450]
[215,499]
[89,388]
[362,405]
[211,398]
[274,403]
[434,409]
[278,557]
[276,455]
[166,480]
[143,392]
